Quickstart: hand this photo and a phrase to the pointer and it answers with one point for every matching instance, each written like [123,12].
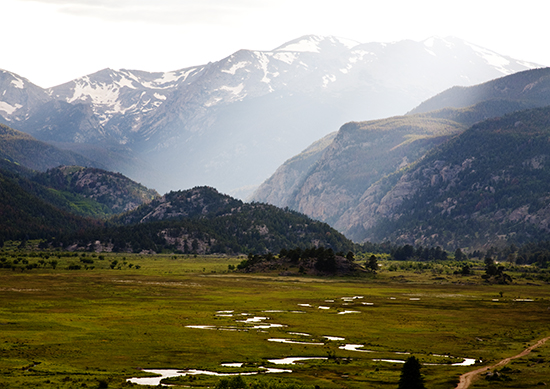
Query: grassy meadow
[100,324]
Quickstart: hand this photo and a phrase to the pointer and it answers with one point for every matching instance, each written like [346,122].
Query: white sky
[54,41]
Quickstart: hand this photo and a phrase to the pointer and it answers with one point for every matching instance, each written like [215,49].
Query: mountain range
[465,168]
[231,123]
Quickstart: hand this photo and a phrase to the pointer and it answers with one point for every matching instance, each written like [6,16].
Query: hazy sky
[53,41]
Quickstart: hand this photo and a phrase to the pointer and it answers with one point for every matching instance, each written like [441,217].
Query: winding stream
[259,323]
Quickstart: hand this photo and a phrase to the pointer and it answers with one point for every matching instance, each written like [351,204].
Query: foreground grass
[91,328]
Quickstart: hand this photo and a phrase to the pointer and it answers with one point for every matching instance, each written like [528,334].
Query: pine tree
[410,375]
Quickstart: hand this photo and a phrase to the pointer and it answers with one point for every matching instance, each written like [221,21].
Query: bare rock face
[338,187]
[379,203]
[280,187]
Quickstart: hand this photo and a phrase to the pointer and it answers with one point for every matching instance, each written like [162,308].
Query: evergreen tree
[410,375]
[372,264]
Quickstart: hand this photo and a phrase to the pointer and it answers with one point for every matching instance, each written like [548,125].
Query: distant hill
[199,202]
[113,190]
[201,220]
[22,149]
[25,216]
[529,88]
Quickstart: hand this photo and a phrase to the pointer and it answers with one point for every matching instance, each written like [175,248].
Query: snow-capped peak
[436,41]
[314,43]
[503,64]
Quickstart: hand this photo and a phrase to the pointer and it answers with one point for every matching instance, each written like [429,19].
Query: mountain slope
[25,216]
[360,155]
[529,87]
[201,220]
[345,181]
[281,185]
[23,149]
[19,97]
[216,121]
[487,186]
[114,191]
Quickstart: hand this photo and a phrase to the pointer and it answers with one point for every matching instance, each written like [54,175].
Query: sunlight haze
[51,42]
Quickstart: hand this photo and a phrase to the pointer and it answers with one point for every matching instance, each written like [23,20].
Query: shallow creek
[168,373]
[246,322]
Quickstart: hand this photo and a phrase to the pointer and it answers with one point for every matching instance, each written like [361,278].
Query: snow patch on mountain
[235,67]
[9,109]
[285,57]
[315,44]
[346,69]
[431,52]
[306,44]
[18,83]
[169,77]
[359,56]
[328,79]
[236,90]
[492,58]
[429,42]
[125,82]
[263,65]
[349,43]
[103,94]
[435,40]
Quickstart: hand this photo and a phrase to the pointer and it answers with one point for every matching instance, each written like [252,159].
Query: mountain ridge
[466,194]
[23,149]
[215,120]
[337,188]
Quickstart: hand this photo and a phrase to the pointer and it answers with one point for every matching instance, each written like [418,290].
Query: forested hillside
[486,186]
[21,148]
[24,216]
[114,191]
[201,220]
[350,185]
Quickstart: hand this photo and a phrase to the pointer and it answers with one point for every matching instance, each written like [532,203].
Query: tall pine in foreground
[410,375]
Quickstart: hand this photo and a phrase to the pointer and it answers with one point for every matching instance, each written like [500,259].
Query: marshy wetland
[105,326]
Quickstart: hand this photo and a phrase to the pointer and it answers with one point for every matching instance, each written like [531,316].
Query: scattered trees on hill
[319,259]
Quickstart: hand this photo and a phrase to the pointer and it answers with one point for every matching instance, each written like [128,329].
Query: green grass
[64,328]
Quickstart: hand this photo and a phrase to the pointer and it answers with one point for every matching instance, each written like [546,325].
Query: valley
[308,217]
[65,328]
